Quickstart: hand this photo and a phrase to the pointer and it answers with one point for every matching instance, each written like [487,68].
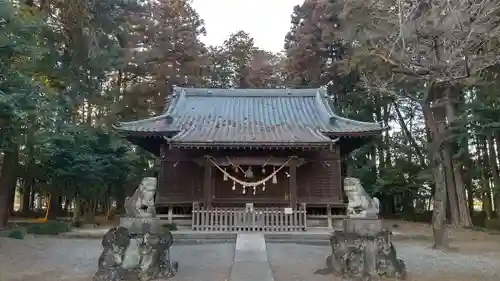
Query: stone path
[52,259]
[250,259]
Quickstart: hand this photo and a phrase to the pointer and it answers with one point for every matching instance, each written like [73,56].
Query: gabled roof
[246,117]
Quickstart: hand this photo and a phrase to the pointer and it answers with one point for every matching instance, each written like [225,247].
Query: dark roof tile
[250,116]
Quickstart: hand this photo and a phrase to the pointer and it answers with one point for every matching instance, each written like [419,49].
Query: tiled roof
[250,116]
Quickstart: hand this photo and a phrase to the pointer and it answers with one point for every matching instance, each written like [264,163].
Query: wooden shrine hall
[249,159]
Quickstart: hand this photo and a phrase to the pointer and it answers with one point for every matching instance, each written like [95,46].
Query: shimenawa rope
[245,183]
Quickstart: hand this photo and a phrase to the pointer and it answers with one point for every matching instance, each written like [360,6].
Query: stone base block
[141,225]
[363,250]
[363,226]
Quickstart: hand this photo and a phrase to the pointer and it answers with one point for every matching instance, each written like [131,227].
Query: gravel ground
[50,259]
[423,263]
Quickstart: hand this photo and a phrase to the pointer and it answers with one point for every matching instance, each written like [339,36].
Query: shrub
[48,228]
[16,234]
[170,226]
[77,224]
[493,224]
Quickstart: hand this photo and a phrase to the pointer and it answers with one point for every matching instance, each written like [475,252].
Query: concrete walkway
[250,259]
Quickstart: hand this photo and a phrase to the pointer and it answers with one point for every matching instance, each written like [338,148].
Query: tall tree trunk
[381,146]
[32,198]
[497,140]
[432,184]
[467,176]
[13,190]
[7,175]
[67,202]
[494,174]
[26,197]
[386,117]
[450,187]
[440,116]
[77,210]
[465,219]
[463,209]
[485,178]
[55,206]
[29,177]
[381,156]
[439,208]
[465,158]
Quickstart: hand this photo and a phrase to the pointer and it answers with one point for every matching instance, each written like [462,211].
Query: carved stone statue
[115,242]
[360,204]
[142,203]
[363,249]
[366,257]
[139,249]
[388,264]
[154,262]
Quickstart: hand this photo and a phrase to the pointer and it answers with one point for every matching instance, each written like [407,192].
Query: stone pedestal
[137,250]
[140,225]
[363,249]
[362,226]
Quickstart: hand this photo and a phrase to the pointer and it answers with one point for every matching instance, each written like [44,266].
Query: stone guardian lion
[142,203]
[360,204]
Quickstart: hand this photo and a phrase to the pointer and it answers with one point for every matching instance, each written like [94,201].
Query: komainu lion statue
[142,203]
[360,203]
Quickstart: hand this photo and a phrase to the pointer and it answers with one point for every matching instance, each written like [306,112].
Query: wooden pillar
[160,176]
[293,183]
[329,216]
[207,184]
[170,213]
[342,174]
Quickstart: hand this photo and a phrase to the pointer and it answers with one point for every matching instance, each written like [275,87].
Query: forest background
[69,70]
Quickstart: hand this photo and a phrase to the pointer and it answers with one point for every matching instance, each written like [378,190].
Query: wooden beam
[293,183]
[329,216]
[207,184]
[255,161]
[161,178]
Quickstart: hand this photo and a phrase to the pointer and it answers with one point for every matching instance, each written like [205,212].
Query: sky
[267,21]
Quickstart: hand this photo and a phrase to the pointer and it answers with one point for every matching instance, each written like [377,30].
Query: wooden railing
[272,219]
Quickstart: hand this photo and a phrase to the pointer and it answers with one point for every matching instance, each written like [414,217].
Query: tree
[21,92]
[265,70]
[431,48]
[169,53]
[240,49]
[84,165]
[239,64]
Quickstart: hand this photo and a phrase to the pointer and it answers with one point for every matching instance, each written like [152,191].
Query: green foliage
[492,224]
[48,228]
[169,226]
[17,234]
[84,162]
[21,52]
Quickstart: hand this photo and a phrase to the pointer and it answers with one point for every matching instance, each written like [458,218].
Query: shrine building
[263,149]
